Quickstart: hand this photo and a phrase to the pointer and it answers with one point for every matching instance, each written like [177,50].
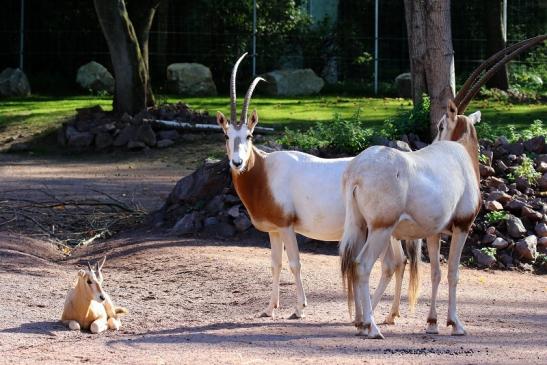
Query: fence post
[254,38]
[376,46]
[22,35]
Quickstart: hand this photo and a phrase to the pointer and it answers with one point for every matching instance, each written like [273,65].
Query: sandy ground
[197,300]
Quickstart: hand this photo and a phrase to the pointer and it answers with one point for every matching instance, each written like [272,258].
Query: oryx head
[239,135]
[90,281]
[454,127]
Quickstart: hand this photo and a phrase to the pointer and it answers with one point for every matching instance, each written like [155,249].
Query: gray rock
[94,76]
[522,184]
[506,260]
[220,229]
[419,145]
[543,182]
[541,229]
[19,147]
[215,205]
[488,238]
[542,167]
[210,221]
[135,146]
[500,243]
[242,223]
[500,166]
[499,196]
[78,139]
[292,83]
[527,248]
[535,145]
[146,134]
[492,205]
[515,228]
[486,171]
[168,134]
[495,182]
[542,243]
[515,205]
[234,211]
[403,83]
[541,158]
[187,224]
[515,148]
[483,260]
[163,143]
[127,134]
[14,82]
[190,79]
[103,140]
[531,214]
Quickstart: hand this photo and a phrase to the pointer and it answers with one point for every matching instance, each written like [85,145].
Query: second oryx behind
[289,192]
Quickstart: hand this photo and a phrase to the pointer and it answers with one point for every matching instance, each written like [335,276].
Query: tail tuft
[414,251]
[121,310]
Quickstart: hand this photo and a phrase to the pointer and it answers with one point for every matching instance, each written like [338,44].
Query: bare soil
[196,300]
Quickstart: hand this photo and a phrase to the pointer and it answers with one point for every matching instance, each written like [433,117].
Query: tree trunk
[495,40]
[431,54]
[132,89]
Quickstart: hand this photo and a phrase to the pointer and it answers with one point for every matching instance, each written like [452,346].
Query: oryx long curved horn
[247,100]
[89,266]
[474,82]
[233,114]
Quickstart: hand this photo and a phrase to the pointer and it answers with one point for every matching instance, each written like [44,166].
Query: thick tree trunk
[495,40]
[132,91]
[431,54]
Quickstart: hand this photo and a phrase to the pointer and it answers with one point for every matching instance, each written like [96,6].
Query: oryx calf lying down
[87,306]
[289,192]
[410,195]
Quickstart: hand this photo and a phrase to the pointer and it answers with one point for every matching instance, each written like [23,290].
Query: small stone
[542,243]
[492,205]
[500,196]
[78,139]
[128,133]
[535,145]
[220,229]
[515,228]
[500,243]
[126,118]
[491,230]
[400,145]
[210,221]
[231,199]
[506,260]
[486,171]
[527,248]
[135,146]
[234,211]
[543,182]
[542,167]
[515,148]
[488,238]
[215,205]
[522,184]
[146,134]
[515,205]
[242,223]
[163,143]
[530,214]
[541,229]
[187,224]
[19,147]
[500,166]
[483,260]
[495,182]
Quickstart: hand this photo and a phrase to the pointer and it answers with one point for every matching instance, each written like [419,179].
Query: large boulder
[403,83]
[291,83]
[190,79]
[95,77]
[13,82]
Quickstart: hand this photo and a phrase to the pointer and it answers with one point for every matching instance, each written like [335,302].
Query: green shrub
[525,170]
[486,130]
[495,217]
[489,251]
[415,121]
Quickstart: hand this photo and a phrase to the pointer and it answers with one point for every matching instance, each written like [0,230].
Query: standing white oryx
[287,192]
[410,195]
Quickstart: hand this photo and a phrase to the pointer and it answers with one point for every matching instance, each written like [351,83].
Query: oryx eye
[249,137]
[89,281]
[441,127]
[226,137]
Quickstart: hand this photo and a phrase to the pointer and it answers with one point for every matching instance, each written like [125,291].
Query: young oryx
[87,306]
[287,192]
[410,195]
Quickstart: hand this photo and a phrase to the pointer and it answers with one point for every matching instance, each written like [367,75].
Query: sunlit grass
[42,112]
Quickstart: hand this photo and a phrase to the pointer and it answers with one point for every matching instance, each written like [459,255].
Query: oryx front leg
[277,256]
[291,246]
[375,244]
[98,326]
[456,247]
[433,248]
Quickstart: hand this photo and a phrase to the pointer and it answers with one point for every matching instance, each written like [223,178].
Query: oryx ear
[89,267]
[253,120]
[222,121]
[452,111]
[101,263]
[475,117]
[81,273]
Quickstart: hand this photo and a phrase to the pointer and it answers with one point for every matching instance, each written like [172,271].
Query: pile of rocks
[95,128]
[206,203]
[518,232]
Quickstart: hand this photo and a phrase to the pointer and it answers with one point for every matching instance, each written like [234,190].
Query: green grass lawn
[42,112]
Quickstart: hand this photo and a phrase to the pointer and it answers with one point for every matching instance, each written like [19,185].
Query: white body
[412,195]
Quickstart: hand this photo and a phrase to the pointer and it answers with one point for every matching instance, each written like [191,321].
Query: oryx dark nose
[237,163]
[101,297]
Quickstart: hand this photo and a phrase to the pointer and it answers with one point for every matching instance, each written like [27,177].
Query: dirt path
[196,300]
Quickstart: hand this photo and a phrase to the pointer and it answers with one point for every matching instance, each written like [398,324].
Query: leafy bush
[416,121]
[525,170]
[532,73]
[486,130]
[489,251]
[495,217]
[341,135]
